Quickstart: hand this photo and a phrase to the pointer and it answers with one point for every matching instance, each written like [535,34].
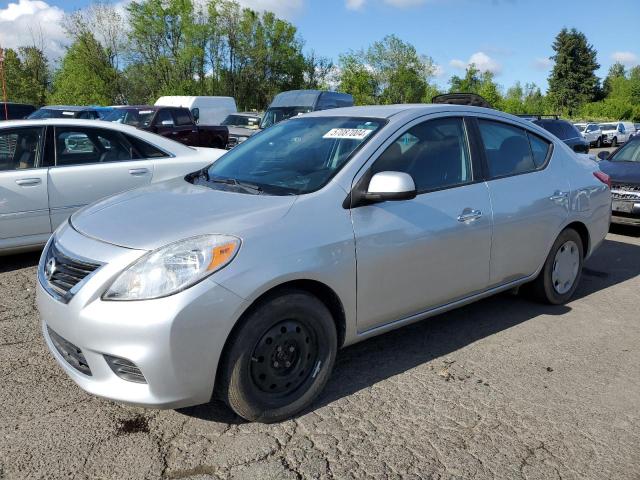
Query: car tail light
[603,177]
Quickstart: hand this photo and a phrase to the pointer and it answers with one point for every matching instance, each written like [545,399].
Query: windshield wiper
[235,182]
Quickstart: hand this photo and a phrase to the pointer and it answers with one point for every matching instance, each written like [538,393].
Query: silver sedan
[50,168]
[243,279]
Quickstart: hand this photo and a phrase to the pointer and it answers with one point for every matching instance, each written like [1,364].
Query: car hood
[150,217]
[241,131]
[621,172]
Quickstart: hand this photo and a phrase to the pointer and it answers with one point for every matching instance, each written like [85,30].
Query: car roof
[163,143]
[388,111]
[138,107]
[70,108]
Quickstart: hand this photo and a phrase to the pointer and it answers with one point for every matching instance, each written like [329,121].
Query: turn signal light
[603,177]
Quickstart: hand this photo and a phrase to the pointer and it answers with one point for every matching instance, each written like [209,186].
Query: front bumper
[175,341]
[625,212]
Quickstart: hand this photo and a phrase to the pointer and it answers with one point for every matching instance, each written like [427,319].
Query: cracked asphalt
[504,388]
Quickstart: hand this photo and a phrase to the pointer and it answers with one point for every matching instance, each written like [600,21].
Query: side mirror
[603,155]
[196,114]
[385,186]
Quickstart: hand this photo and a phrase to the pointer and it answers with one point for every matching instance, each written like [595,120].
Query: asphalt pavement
[501,389]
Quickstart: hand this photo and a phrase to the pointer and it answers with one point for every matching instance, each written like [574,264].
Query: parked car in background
[296,102]
[205,110]
[102,111]
[244,278]
[623,167]
[50,168]
[175,123]
[241,126]
[617,132]
[15,111]
[591,132]
[65,111]
[562,129]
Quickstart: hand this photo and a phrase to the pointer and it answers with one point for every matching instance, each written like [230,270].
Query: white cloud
[626,58]
[282,8]
[481,60]
[542,63]
[354,4]
[29,21]
[438,71]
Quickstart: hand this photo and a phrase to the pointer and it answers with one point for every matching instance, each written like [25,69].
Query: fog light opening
[125,369]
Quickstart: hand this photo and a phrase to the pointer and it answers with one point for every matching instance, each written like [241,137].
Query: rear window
[182,117]
[562,130]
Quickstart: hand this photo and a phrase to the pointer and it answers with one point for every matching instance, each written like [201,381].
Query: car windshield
[130,116]
[277,114]
[241,121]
[581,128]
[608,126]
[628,153]
[51,113]
[294,157]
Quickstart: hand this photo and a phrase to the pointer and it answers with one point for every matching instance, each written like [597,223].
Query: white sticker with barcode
[352,133]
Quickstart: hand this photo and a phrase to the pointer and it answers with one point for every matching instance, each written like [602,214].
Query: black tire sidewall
[239,389]
[550,293]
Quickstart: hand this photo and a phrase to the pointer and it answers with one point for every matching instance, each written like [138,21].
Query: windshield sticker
[350,133]
[144,112]
[68,113]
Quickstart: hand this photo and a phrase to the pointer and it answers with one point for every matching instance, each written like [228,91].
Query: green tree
[26,75]
[572,81]
[470,83]
[615,71]
[86,76]
[357,79]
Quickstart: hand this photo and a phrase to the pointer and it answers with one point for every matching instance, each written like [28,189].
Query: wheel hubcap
[283,358]
[565,267]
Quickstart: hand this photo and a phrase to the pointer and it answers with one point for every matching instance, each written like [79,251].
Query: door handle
[469,215]
[28,182]
[558,195]
[138,171]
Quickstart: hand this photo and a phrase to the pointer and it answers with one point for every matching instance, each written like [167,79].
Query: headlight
[173,268]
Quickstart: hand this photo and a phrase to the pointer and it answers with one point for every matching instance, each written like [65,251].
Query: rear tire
[561,272]
[280,357]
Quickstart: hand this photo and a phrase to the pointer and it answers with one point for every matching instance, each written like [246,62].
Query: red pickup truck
[172,122]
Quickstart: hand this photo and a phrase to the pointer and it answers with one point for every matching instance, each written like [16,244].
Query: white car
[591,132]
[617,132]
[51,168]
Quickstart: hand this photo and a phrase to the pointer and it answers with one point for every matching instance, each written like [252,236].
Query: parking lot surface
[504,388]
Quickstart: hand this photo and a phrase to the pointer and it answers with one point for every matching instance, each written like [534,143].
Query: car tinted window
[144,149]
[434,153]
[77,146]
[164,116]
[539,149]
[628,153]
[507,149]
[19,148]
[182,117]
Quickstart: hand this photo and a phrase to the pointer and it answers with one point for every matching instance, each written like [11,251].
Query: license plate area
[619,206]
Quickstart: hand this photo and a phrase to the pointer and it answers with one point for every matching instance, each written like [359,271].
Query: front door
[415,255]
[92,163]
[24,207]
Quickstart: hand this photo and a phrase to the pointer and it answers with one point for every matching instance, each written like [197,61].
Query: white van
[205,110]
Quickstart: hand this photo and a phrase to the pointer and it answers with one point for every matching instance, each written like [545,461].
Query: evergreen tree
[572,81]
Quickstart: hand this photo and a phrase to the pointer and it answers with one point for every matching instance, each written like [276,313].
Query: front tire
[614,142]
[280,358]
[562,270]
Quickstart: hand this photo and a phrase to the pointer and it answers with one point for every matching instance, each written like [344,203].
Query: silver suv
[244,278]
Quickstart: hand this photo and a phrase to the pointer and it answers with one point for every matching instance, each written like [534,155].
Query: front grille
[62,273]
[625,191]
[72,354]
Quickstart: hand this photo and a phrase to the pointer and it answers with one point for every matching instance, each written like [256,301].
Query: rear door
[529,195]
[24,208]
[92,163]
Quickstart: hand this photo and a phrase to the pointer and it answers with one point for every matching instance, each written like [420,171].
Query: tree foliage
[26,75]
[572,81]
[86,76]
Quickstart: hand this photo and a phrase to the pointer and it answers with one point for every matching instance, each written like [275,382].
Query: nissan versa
[244,278]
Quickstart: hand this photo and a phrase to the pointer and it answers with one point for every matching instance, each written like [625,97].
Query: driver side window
[435,153]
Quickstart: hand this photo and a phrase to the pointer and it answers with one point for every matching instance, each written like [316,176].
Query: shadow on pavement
[374,360]
[18,261]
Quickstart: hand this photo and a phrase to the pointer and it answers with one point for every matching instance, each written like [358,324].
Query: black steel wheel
[279,357]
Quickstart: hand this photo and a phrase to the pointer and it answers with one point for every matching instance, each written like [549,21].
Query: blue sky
[510,37]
